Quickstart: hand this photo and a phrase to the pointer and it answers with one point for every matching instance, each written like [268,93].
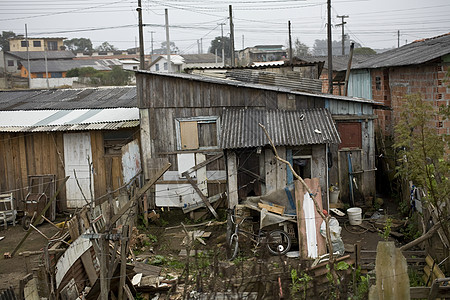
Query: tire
[279,242]
[26,221]
[234,246]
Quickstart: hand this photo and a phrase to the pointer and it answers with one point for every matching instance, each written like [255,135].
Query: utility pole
[398,38]
[46,66]
[201,45]
[343,35]
[330,50]
[290,42]
[28,57]
[141,37]
[242,42]
[231,35]
[151,35]
[169,67]
[222,43]
[198,46]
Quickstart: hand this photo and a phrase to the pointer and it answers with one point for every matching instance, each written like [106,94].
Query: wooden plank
[88,264]
[202,196]
[139,193]
[123,260]
[189,135]
[278,209]
[232,179]
[205,163]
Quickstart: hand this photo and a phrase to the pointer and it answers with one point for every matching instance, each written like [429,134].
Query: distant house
[261,53]
[418,67]
[13,60]
[59,68]
[179,62]
[19,43]
[130,64]
[340,63]
[62,132]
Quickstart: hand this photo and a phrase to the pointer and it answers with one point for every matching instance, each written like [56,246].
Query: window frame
[37,44]
[201,119]
[24,43]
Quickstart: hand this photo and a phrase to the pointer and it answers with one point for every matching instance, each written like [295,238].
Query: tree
[320,47]
[4,39]
[364,50]
[79,45]
[423,154]
[300,49]
[218,43]
[105,46]
[173,48]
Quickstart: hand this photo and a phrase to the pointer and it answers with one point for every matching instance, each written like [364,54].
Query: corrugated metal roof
[38,66]
[240,128]
[291,79]
[69,99]
[200,58]
[41,54]
[340,62]
[417,52]
[259,86]
[62,120]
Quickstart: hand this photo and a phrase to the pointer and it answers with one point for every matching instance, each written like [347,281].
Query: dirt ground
[158,243]
[12,270]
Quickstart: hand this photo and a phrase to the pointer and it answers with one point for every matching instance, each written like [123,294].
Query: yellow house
[19,43]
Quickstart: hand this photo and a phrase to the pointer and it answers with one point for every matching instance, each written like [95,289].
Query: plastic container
[334,196]
[354,215]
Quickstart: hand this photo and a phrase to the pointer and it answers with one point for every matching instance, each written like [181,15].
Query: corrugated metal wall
[359,84]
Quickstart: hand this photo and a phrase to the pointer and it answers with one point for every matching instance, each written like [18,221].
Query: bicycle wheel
[278,242]
[234,246]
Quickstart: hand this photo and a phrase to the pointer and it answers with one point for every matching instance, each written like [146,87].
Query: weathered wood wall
[24,154]
[165,98]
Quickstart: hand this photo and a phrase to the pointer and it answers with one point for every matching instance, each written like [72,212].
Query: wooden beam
[199,192]
[203,164]
[123,261]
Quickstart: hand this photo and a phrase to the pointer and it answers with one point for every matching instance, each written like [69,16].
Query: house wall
[24,154]
[337,90]
[16,44]
[396,82]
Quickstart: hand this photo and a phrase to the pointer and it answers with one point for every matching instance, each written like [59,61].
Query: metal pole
[28,57]
[349,66]
[290,42]
[169,67]
[46,66]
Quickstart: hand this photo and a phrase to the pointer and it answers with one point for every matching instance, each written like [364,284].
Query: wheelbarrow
[40,190]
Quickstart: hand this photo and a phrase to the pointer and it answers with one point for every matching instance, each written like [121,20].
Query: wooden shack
[182,119]
[91,135]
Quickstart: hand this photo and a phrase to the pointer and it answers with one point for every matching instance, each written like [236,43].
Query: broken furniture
[41,188]
[7,210]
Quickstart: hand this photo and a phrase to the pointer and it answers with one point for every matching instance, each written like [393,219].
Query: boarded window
[189,135]
[350,135]
[10,63]
[197,133]
[207,134]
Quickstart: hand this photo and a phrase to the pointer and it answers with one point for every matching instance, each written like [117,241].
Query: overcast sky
[372,23]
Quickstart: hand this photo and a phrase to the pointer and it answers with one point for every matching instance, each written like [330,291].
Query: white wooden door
[77,154]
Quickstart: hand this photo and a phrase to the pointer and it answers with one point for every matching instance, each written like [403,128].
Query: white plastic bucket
[334,196]
[354,215]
